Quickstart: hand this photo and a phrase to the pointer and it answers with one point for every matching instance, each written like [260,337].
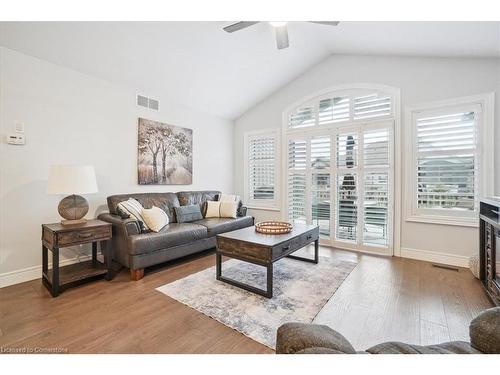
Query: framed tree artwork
[165,154]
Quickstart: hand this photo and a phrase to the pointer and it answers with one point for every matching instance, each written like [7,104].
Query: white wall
[72,118]
[420,80]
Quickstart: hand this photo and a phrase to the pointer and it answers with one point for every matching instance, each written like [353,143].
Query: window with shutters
[446,163]
[341,107]
[260,167]
[339,158]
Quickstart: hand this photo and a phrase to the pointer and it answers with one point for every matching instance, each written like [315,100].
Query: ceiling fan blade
[239,25]
[281,37]
[328,23]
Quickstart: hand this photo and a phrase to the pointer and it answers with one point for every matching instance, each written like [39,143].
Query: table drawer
[286,248]
[307,238]
[83,236]
[295,244]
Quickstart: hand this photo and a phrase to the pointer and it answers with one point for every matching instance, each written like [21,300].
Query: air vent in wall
[146,102]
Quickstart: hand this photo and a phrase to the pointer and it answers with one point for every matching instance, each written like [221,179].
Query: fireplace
[489,247]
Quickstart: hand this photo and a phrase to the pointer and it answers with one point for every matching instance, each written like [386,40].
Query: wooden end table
[56,236]
[264,249]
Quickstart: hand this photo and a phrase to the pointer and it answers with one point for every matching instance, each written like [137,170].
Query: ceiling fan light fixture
[278,23]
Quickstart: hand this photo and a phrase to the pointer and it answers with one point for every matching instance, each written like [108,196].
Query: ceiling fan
[280,29]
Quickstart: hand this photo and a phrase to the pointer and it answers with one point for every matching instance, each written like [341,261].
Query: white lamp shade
[72,179]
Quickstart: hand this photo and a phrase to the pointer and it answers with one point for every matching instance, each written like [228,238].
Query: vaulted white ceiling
[203,67]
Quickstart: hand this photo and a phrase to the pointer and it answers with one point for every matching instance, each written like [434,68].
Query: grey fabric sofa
[300,338]
[136,250]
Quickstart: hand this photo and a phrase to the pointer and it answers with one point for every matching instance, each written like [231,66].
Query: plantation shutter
[261,153]
[334,110]
[372,106]
[346,214]
[320,183]
[446,159]
[347,207]
[302,117]
[297,161]
[376,186]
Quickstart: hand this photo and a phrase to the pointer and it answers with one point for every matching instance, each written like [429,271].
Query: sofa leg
[137,274]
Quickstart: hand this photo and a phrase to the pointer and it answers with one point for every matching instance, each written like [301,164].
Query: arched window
[339,165]
[341,106]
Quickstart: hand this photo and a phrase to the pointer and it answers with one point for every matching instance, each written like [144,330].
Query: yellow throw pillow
[155,218]
[228,209]
[213,209]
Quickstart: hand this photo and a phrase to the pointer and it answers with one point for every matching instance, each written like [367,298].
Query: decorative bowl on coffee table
[273,227]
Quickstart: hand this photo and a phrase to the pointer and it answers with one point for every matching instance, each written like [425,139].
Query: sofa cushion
[319,350]
[454,347]
[187,198]
[294,337]
[484,331]
[233,198]
[173,234]
[218,225]
[165,201]
[187,214]
[228,209]
[155,218]
[133,208]
[212,209]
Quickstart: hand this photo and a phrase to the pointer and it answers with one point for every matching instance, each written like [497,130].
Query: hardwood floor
[382,299]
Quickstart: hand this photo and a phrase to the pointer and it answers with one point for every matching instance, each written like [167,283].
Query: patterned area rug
[300,290]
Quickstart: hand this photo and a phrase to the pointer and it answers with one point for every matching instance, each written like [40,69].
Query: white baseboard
[35,272]
[435,257]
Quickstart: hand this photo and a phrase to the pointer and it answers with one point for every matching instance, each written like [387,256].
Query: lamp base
[73,222]
[73,208]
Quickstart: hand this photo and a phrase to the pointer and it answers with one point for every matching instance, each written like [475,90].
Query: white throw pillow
[213,208]
[221,209]
[155,218]
[228,209]
[133,208]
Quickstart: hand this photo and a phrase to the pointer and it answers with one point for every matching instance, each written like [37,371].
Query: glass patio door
[342,181]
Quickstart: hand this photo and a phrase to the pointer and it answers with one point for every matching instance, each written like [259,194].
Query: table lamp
[72,180]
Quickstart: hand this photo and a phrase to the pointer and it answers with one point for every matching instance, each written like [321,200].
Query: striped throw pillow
[134,209]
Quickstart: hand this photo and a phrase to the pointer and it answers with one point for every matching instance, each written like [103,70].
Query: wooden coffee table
[264,249]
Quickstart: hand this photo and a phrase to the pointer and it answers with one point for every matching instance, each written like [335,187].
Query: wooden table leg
[269,286]
[55,272]
[316,255]
[94,253]
[45,261]
[268,292]
[108,261]
[218,265]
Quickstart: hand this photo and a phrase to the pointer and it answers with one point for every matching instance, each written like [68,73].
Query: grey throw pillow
[186,214]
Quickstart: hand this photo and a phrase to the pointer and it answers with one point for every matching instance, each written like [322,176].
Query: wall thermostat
[16,139]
